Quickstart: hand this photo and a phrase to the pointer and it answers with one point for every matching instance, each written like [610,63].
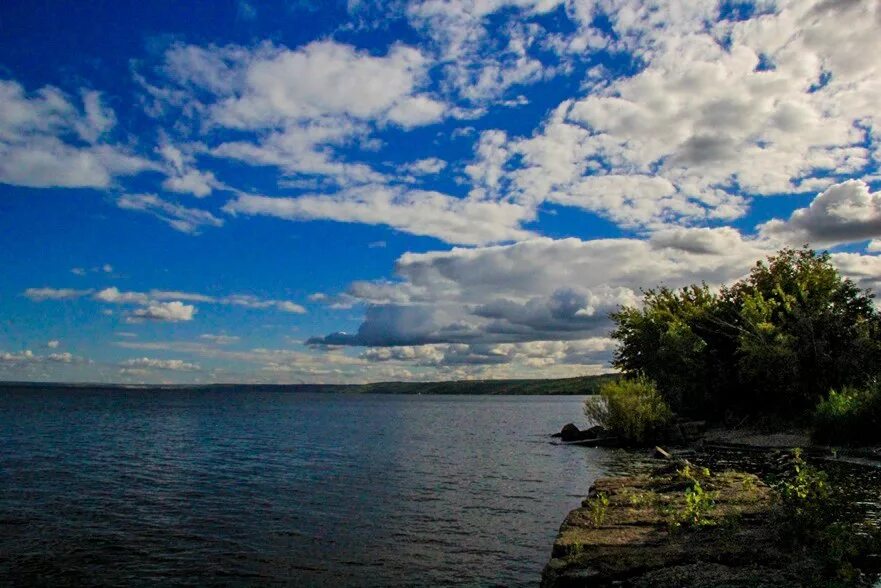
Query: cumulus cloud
[481,62]
[172,312]
[535,290]
[865,270]
[779,103]
[843,213]
[595,352]
[294,105]
[46,140]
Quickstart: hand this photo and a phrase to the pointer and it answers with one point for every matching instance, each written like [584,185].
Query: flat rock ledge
[633,544]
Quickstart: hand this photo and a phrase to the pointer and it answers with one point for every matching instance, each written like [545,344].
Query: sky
[327,191]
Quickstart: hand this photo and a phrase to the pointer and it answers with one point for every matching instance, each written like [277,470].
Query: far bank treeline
[793,341]
[578,386]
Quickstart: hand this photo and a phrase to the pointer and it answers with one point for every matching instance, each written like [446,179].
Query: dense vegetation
[777,341]
[774,344]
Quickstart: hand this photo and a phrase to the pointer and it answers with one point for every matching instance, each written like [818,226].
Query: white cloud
[219,339]
[274,85]
[292,307]
[181,218]
[704,121]
[843,213]
[174,311]
[479,64]
[157,301]
[537,290]
[176,365]
[47,141]
[7,357]
[114,296]
[427,166]
[292,107]
[193,182]
[595,352]
[304,149]
[699,240]
[53,344]
[865,270]
[40,294]
[419,212]
[29,358]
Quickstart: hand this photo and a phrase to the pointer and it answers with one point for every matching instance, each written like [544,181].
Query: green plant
[632,409]
[805,499]
[597,508]
[698,502]
[849,417]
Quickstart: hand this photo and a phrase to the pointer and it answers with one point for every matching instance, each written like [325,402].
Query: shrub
[849,417]
[632,409]
[805,499]
[698,504]
[597,507]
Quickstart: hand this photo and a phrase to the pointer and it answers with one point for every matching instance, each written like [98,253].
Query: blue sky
[360,191]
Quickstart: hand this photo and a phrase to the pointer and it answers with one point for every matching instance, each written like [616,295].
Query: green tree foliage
[803,330]
[774,342]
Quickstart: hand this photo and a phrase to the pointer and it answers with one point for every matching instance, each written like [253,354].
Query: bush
[632,409]
[849,417]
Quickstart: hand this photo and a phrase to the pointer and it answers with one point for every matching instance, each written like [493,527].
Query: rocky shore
[636,542]
[683,526]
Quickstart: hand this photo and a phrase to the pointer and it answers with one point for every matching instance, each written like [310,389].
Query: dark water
[232,488]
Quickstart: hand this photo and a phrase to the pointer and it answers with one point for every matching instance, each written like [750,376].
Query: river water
[237,488]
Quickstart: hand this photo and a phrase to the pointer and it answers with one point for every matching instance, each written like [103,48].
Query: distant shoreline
[578,386]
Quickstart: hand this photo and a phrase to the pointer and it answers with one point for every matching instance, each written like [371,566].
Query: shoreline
[625,531]
[576,386]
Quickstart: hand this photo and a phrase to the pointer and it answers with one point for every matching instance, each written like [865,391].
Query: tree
[803,330]
[776,341]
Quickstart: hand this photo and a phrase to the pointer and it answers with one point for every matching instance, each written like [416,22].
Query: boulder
[570,433]
[594,432]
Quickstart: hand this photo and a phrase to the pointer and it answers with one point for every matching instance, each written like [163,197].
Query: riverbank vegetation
[792,342]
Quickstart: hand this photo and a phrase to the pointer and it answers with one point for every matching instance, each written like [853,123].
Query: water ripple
[200,488]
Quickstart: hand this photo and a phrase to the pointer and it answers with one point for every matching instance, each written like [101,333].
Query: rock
[570,433]
[594,432]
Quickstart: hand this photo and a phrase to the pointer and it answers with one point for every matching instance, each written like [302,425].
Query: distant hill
[575,386]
